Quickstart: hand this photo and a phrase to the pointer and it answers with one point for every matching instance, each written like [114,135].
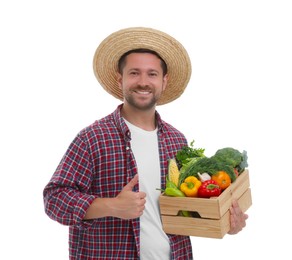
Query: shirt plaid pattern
[99,163]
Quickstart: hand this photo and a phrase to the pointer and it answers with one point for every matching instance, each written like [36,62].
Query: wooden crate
[214,217]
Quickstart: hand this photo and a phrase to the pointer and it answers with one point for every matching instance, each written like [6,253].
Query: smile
[143,92]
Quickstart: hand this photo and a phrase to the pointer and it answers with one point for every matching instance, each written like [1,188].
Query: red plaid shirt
[99,163]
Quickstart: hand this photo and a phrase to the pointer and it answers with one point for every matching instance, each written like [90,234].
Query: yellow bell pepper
[190,186]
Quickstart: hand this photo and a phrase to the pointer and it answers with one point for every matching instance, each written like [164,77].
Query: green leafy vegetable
[210,165]
[187,153]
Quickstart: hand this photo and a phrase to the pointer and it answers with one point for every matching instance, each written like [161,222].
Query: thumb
[132,183]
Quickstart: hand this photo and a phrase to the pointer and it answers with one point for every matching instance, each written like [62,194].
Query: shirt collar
[121,124]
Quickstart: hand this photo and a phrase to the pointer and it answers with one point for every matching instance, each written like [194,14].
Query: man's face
[142,81]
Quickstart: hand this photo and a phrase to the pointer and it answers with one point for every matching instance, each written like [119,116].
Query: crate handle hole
[193,214]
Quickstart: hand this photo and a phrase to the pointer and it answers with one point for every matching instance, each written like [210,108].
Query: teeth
[143,92]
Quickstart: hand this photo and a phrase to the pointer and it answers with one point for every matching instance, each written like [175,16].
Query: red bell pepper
[209,188]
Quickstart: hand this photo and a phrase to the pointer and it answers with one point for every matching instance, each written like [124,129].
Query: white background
[238,96]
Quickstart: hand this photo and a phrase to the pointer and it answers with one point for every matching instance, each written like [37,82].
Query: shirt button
[127,148]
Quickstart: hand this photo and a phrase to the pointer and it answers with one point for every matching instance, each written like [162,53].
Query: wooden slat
[213,228]
[205,207]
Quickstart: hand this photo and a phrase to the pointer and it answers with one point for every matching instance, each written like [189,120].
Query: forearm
[101,207]
[119,207]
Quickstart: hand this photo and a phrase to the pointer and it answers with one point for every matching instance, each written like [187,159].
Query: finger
[235,225]
[237,209]
[232,225]
[132,183]
[235,204]
[231,209]
[142,195]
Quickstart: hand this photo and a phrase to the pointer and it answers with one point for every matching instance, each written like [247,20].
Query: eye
[153,74]
[133,72]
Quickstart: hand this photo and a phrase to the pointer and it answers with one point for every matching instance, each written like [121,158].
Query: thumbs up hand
[130,204]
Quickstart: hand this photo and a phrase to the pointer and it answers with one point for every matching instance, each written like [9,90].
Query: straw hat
[108,53]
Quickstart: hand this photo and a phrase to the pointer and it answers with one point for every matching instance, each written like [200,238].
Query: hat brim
[108,53]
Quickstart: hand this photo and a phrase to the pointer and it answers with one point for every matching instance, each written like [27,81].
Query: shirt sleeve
[67,196]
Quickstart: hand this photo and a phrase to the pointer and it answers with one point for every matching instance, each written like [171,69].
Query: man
[105,187]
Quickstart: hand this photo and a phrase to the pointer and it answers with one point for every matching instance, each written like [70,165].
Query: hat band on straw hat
[108,53]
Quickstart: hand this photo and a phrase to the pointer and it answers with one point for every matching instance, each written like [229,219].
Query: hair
[122,60]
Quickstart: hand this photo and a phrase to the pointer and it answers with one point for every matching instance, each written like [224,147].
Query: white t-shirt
[154,243]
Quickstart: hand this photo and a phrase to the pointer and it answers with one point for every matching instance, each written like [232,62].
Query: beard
[141,104]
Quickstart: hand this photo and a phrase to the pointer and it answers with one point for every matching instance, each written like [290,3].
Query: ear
[119,79]
[164,82]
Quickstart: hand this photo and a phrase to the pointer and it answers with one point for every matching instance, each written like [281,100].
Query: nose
[143,79]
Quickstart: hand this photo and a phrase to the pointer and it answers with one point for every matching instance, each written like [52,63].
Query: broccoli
[232,157]
[243,164]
